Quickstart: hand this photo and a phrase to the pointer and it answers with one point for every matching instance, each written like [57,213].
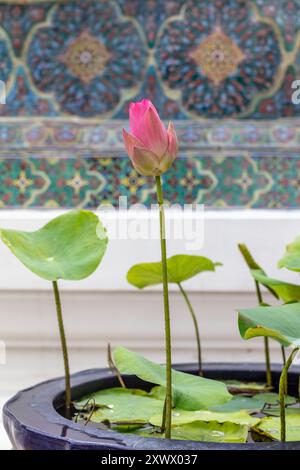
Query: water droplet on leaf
[217,433]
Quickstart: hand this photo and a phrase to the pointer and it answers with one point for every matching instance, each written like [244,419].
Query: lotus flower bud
[151,147]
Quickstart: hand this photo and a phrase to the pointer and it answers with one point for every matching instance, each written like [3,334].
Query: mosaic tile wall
[222,70]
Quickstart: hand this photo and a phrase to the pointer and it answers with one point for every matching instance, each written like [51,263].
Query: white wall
[265,232]
[134,320]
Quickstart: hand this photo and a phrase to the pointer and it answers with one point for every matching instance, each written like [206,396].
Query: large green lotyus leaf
[291,258]
[189,392]
[281,323]
[280,289]
[69,247]
[284,290]
[253,266]
[250,261]
[180,268]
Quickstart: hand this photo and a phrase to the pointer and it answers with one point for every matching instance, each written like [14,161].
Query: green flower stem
[113,366]
[283,355]
[163,421]
[268,362]
[266,342]
[168,412]
[284,362]
[258,293]
[63,347]
[282,391]
[196,326]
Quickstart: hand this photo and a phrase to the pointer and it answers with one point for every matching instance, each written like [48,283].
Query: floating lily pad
[252,404]
[119,405]
[189,392]
[239,403]
[211,432]
[180,417]
[70,247]
[273,398]
[281,323]
[180,268]
[205,432]
[100,395]
[249,388]
[275,411]
[158,392]
[270,426]
[127,428]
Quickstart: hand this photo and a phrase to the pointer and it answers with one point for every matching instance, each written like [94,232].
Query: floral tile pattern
[286,14]
[150,14]
[220,182]
[222,70]
[199,59]
[86,57]
[21,182]
[17,20]
[225,52]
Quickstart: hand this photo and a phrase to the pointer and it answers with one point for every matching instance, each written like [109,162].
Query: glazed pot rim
[32,421]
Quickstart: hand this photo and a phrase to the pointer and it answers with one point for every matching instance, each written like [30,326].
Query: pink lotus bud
[151,147]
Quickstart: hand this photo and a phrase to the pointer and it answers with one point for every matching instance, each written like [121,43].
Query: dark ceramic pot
[33,422]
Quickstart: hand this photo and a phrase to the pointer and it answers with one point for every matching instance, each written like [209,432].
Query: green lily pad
[273,398]
[253,404]
[189,392]
[281,323]
[211,432]
[239,403]
[98,396]
[180,417]
[291,258]
[70,247]
[249,388]
[275,411]
[202,431]
[127,428]
[158,392]
[180,268]
[270,426]
[119,405]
